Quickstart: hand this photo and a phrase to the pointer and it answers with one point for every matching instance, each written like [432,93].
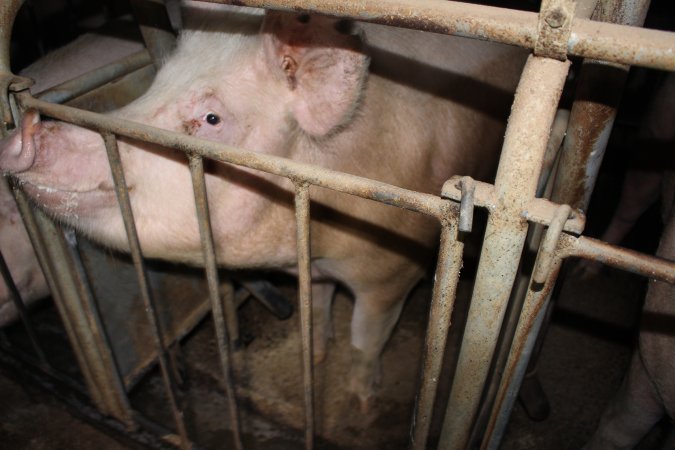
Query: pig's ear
[321,61]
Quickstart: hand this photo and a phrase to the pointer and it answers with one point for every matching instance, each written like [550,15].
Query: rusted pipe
[516,182]
[442,303]
[609,42]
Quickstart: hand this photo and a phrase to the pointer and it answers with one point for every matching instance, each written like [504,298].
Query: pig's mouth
[71,203]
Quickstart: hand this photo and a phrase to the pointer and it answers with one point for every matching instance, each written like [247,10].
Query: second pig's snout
[17,151]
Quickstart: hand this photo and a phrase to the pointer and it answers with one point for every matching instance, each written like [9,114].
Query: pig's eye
[212,119]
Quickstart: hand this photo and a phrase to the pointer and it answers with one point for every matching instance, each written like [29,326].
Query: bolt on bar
[588,39]
[302,204]
[219,313]
[146,294]
[442,303]
[527,131]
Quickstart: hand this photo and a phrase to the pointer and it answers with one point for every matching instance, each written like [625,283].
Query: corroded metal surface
[442,304]
[555,27]
[516,182]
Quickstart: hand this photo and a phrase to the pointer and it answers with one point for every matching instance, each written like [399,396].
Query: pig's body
[648,389]
[398,106]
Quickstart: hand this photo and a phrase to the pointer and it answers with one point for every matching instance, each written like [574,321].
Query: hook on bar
[549,244]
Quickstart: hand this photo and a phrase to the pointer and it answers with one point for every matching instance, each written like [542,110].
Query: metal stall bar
[302,203]
[528,127]
[428,204]
[220,314]
[588,39]
[442,303]
[591,120]
[98,77]
[21,310]
[165,363]
[8,11]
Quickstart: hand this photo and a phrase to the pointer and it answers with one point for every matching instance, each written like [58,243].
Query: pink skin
[302,91]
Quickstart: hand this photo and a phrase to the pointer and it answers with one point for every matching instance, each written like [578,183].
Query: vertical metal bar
[516,182]
[531,319]
[8,11]
[219,317]
[593,112]
[21,309]
[302,202]
[442,303]
[591,120]
[158,35]
[146,294]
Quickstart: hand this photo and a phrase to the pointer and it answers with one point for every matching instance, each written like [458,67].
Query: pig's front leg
[373,319]
[632,413]
[322,301]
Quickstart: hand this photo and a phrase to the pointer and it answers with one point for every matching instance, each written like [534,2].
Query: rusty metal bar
[620,258]
[153,20]
[98,77]
[219,312]
[591,119]
[21,309]
[144,287]
[442,303]
[516,182]
[76,308]
[593,113]
[302,203]
[362,187]
[8,11]
[588,39]
[531,318]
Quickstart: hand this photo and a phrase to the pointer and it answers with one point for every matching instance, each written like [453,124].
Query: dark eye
[212,119]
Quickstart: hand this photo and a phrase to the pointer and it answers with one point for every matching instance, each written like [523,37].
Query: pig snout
[17,152]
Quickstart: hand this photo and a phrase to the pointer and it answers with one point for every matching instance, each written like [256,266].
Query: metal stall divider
[510,201]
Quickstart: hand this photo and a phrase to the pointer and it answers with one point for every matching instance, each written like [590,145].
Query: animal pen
[606,35]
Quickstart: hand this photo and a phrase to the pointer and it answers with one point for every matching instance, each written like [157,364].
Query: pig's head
[276,84]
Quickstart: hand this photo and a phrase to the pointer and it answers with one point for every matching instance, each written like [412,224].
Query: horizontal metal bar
[537,210]
[98,77]
[620,258]
[589,39]
[351,184]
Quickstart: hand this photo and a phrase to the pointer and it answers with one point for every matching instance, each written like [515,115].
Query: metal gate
[562,28]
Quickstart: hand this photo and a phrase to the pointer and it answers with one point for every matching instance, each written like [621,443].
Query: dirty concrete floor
[586,351]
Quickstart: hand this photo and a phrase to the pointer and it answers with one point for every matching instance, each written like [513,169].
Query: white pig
[399,106]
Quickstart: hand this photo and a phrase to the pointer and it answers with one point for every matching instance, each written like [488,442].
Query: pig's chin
[71,205]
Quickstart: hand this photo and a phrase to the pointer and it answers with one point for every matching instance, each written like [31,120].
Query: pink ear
[322,64]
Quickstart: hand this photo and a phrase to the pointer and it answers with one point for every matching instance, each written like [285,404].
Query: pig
[647,392]
[70,61]
[398,106]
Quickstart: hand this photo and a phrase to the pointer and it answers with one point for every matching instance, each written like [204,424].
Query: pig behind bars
[648,389]
[398,106]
